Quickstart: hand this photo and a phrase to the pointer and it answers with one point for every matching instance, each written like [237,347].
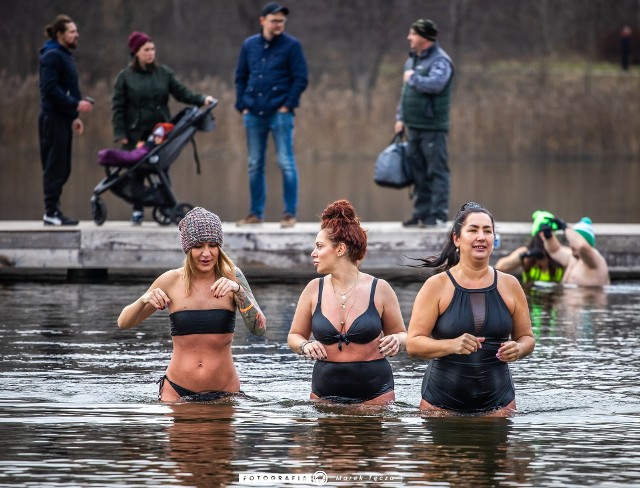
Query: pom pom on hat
[585,229]
[136,41]
[199,226]
[540,217]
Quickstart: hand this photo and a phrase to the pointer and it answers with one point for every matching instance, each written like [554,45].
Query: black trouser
[55,154]
[428,157]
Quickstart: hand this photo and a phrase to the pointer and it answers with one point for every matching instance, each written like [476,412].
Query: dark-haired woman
[470,321]
[141,99]
[355,318]
[534,260]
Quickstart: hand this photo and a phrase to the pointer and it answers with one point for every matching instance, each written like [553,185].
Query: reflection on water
[202,443]
[488,445]
[77,402]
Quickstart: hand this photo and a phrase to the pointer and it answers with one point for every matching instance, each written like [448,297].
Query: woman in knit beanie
[202,297]
[140,100]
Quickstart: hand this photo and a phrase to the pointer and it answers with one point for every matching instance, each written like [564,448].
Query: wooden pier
[30,249]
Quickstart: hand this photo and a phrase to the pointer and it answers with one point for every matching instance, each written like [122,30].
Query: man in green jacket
[424,112]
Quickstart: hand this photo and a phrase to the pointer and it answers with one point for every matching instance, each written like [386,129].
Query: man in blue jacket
[60,102]
[270,77]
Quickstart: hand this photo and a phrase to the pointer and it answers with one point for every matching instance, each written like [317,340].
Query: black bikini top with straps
[365,328]
[214,321]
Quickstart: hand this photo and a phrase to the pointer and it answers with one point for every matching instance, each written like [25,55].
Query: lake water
[78,402]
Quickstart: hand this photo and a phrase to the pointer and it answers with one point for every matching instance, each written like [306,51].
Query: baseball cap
[273,8]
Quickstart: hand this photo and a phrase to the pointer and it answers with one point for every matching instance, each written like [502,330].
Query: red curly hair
[342,224]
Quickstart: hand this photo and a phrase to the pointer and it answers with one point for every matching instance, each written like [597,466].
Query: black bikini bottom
[192,396]
[352,382]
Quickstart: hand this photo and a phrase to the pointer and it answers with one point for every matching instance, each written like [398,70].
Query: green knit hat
[585,229]
[540,217]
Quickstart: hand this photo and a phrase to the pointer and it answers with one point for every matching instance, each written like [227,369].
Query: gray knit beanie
[199,226]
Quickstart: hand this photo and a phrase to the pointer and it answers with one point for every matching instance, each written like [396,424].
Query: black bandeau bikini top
[214,321]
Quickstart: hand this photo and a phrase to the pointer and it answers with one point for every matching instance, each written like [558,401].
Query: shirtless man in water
[584,265]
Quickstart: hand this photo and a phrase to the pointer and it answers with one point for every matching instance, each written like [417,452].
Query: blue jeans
[280,124]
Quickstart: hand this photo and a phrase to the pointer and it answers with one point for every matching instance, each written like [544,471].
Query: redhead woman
[470,321]
[202,297]
[355,318]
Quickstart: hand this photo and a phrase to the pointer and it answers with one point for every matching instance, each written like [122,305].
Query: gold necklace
[344,295]
[343,321]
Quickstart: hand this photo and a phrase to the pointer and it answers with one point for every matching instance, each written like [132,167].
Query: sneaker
[413,222]
[250,219]
[436,223]
[58,219]
[288,220]
[137,217]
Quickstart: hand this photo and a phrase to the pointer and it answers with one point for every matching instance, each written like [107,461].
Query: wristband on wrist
[304,343]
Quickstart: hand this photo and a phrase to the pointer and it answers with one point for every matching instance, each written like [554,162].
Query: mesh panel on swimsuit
[479,310]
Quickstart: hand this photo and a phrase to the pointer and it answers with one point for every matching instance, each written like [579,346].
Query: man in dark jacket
[60,102]
[270,77]
[424,111]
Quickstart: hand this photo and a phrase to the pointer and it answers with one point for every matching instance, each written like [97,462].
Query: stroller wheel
[179,211]
[98,210]
[163,215]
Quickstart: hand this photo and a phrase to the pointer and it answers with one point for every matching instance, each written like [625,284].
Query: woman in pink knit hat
[141,98]
[202,297]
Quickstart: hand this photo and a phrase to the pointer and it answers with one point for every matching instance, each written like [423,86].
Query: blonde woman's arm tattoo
[248,306]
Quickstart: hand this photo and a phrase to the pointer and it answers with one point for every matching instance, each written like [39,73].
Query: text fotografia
[269,479]
[318,478]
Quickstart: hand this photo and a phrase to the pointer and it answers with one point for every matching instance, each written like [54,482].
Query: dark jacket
[59,90]
[424,109]
[270,74]
[140,100]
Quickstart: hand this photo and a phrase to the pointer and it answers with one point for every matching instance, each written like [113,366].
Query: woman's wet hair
[449,256]
[342,224]
[58,26]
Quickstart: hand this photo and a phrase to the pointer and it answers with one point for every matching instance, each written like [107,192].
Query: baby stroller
[156,190]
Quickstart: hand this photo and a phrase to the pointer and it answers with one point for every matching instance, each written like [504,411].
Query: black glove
[557,224]
[547,231]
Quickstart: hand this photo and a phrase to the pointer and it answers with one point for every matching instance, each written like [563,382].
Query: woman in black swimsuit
[470,321]
[355,318]
[202,297]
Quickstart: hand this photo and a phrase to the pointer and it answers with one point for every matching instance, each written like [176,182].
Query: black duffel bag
[392,166]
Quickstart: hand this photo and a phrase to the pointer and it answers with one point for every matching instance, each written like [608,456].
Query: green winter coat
[140,100]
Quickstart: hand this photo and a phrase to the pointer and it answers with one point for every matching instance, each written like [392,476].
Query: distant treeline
[351,42]
[535,79]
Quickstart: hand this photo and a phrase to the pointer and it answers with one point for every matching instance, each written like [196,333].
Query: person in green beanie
[533,259]
[584,265]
